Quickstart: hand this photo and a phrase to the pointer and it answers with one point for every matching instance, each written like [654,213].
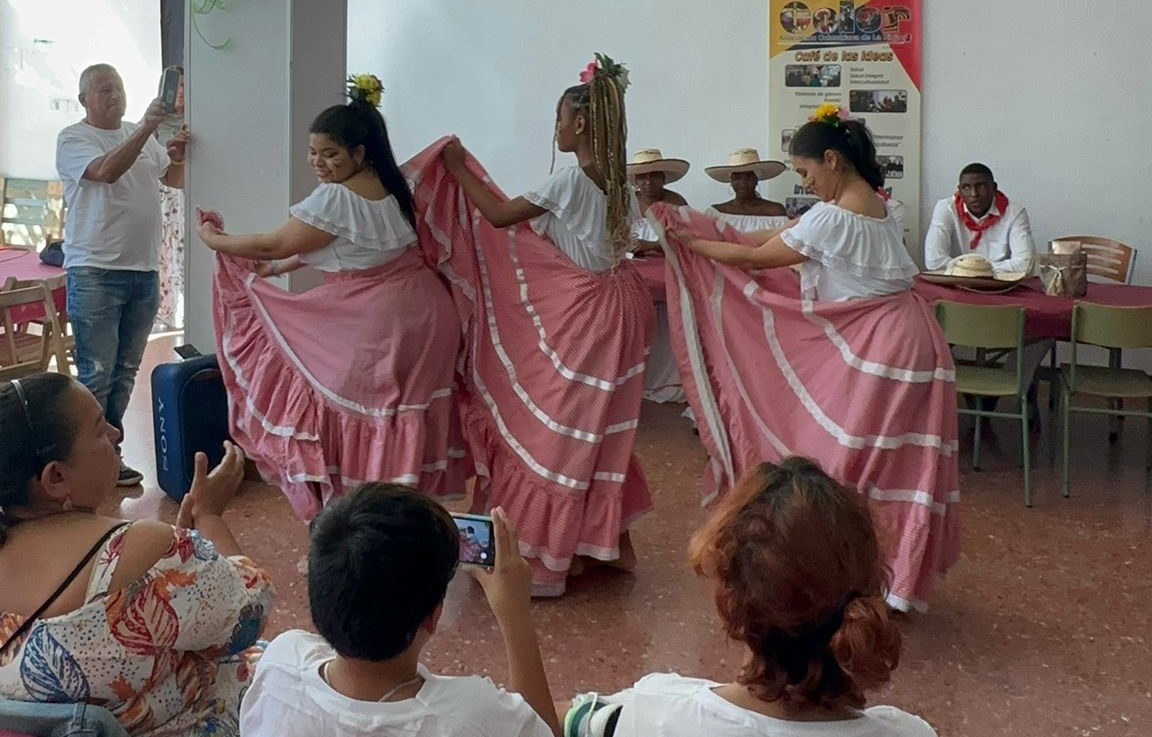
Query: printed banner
[863,55]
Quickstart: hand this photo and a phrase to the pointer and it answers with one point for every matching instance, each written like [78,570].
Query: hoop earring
[67,504]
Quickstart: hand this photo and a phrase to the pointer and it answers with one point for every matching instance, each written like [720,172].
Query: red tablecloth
[651,267]
[1045,317]
[26,265]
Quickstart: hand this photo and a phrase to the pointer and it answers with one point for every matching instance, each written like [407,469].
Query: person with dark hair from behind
[800,581]
[353,379]
[378,569]
[157,624]
[849,245]
[979,218]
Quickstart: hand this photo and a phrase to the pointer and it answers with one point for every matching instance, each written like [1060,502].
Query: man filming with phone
[110,169]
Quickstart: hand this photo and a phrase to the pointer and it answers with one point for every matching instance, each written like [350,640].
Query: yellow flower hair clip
[830,113]
[365,88]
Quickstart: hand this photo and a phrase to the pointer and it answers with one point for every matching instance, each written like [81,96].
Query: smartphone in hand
[477,543]
[169,86]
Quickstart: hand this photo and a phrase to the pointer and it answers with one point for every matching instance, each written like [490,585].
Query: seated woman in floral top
[157,624]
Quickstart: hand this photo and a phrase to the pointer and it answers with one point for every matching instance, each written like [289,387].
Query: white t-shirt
[668,705]
[850,256]
[1007,243]
[368,232]
[288,698]
[577,217]
[111,226]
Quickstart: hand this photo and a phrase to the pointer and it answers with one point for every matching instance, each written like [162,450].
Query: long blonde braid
[601,102]
[609,131]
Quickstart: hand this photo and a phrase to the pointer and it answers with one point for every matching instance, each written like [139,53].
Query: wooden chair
[17,360]
[63,341]
[33,212]
[1107,259]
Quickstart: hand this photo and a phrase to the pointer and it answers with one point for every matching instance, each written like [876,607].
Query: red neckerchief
[970,222]
[883,194]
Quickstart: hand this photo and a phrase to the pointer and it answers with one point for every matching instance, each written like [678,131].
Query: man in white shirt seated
[979,218]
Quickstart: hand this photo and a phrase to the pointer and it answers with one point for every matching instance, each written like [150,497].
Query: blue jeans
[112,314]
[81,720]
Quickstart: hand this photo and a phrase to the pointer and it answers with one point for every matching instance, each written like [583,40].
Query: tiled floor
[1042,629]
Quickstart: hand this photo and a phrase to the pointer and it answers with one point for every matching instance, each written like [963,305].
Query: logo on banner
[848,25]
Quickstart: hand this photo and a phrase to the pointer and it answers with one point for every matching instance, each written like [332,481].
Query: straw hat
[746,159]
[650,159]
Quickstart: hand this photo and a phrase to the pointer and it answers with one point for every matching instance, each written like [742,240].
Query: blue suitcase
[189,414]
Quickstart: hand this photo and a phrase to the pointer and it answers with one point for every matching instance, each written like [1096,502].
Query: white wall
[1054,104]
[248,109]
[699,73]
[44,45]
[1021,86]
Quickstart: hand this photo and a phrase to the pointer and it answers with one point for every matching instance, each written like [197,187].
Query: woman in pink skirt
[351,381]
[846,365]
[557,331]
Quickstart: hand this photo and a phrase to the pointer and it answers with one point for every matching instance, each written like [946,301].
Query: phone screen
[169,85]
[477,547]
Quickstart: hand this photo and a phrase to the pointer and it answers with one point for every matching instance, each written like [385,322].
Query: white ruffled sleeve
[851,243]
[572,199]
[558,195]
[336,209]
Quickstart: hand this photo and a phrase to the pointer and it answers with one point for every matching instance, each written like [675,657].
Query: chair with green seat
[991,328]
[1114,328]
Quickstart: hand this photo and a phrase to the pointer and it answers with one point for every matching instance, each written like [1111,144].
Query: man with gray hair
[111,172]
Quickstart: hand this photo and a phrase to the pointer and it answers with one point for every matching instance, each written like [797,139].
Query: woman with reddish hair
[801,582]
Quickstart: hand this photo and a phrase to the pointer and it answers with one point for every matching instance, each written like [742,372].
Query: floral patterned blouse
[170,654]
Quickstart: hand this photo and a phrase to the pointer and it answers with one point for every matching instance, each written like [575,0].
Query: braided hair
[601,102]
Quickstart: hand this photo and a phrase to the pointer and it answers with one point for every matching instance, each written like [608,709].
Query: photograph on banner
[865,57]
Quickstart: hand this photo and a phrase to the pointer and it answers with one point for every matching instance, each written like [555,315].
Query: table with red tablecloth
[662,379]
[25,265]
[1045,316]
[651,267]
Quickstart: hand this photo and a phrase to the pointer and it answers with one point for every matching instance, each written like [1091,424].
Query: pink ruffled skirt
[352,381]
[553,372]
